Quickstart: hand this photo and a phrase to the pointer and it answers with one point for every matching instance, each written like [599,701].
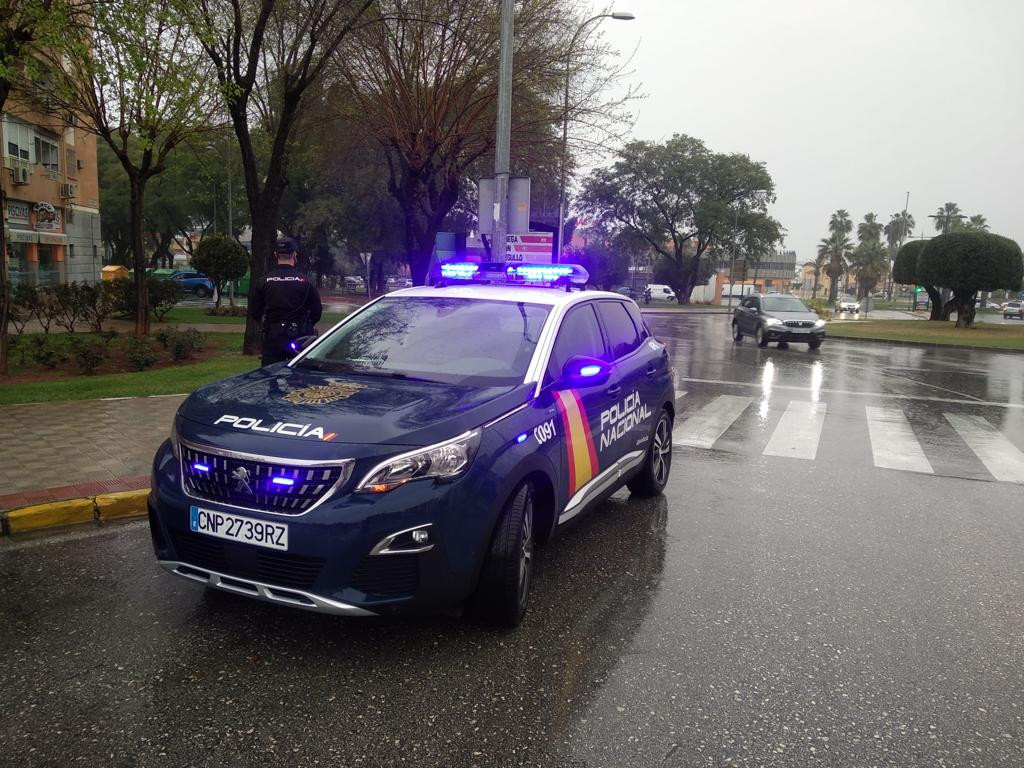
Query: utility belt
[290,329]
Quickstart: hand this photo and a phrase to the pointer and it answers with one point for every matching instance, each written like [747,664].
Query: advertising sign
[18,212]
[532,247]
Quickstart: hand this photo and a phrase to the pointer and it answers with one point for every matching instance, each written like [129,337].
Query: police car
[411,459]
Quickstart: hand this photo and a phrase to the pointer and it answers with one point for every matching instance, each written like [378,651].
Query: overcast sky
[850,104]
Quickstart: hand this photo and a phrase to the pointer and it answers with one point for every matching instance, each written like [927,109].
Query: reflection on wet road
[806,593]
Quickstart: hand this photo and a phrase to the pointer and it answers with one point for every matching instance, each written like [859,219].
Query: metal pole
[504,131]
[565,160]
[732,267]
[231,207]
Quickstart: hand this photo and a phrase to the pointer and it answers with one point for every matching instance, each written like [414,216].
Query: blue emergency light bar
[515,274]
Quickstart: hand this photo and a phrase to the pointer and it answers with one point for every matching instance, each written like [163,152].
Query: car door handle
[652,370]
[613,390]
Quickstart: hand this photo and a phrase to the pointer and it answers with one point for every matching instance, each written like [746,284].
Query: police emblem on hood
[324,393]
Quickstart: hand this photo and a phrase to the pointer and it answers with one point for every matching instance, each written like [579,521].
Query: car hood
[331,408]
[784,316]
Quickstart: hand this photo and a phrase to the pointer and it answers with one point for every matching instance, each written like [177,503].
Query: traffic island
[991,336]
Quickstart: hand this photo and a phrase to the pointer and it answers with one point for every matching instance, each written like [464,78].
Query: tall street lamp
[618,16]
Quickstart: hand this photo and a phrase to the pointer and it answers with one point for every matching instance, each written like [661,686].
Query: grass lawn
[981,335]
[30,382]
[198,316]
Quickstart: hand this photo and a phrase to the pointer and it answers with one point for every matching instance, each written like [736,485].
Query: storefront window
[49,268]
[17,263]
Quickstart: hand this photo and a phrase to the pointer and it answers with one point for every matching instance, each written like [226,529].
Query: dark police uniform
[292,308]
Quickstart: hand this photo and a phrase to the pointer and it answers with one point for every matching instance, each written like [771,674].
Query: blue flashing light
[522,438]
[459,270]
[200,467]
[283,481]
[545,273]
[294,346]
[590,370]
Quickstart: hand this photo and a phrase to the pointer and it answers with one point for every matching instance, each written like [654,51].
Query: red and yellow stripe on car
[579,443]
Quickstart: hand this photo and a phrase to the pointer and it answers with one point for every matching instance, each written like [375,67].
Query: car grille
[387,575]
[265,486]
[799,324]
[247,562]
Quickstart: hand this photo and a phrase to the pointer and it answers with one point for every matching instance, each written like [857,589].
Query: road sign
[531,247]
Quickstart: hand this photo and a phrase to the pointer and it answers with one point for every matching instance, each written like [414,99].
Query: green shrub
[140,353]
[163,295]
[47,352]
[89,354]
[821,306]
[222,259]
[163,336]
[184,344]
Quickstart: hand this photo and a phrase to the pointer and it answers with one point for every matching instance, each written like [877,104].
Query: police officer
[285,301]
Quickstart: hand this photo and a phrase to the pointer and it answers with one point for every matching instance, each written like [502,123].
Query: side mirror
[582,371]
[294,347]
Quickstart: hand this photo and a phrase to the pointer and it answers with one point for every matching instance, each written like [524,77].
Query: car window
[469,342]
[622,335]
[750,303]
[784,304]
[638,320]
[579,334]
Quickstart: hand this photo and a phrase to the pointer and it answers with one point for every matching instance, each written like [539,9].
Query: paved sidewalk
[53,451]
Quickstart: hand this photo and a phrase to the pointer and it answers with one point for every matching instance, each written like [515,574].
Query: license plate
[238,528]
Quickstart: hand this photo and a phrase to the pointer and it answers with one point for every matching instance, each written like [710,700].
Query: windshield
[452,340]
[783,304]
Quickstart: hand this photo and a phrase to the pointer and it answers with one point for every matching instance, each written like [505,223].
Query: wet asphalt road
[767,611]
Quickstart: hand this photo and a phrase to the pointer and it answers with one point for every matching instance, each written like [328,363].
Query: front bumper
[338,559]
[798,335]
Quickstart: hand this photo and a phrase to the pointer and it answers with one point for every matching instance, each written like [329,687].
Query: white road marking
[1000,457]
[881,395]
[893,443]
[704,428]
[798,432]
[680,393]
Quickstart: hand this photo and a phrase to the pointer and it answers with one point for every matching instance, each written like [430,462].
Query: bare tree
[266,55]
[132,72]
[423,82]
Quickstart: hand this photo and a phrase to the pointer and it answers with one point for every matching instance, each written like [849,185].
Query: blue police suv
[410,459]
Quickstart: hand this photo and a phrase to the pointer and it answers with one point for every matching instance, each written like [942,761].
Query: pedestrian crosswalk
[893,441]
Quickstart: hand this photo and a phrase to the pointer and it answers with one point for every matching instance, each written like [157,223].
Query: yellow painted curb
[123,504]
[49,515]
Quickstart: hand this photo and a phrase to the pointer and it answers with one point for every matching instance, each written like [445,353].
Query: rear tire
[737,334]
[783,345]
[503,591]
[202,292]
[653,475]
[762,339]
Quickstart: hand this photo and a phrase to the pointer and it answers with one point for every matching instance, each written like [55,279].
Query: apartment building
[51,214]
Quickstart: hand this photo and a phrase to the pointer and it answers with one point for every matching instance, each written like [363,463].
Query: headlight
[819,323]
[174,437]
[444,461]
[772,321]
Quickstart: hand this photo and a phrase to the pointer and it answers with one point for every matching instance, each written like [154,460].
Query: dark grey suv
[777,318]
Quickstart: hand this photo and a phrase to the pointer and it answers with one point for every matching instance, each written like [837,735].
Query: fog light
[420,537]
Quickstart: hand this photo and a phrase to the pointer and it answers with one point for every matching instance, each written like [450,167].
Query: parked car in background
[1013,309]
[849,304]
[661,292]
[628,291]
[354,283]
[190,282]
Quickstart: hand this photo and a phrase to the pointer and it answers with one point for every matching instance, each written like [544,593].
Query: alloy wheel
[662,452]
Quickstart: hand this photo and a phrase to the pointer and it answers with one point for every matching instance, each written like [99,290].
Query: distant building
[51,214]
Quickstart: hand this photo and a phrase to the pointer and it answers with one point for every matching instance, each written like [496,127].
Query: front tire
[737,334]
[814,343]
[203,292]
[503,591]
[762,338]
[653,475]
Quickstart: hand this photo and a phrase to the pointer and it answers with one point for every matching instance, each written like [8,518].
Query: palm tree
[840,223]
[977,223]
[947,217]
[837,250]
[899,228]
[869,262]
[870,229]
[824,254]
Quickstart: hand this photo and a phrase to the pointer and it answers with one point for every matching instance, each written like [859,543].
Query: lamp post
[618,16]
[503,133]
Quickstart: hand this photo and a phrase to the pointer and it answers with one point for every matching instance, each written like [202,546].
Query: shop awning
[21,235]
[52,238]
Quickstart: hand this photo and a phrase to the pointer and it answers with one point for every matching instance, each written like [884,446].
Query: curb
[831,335]
[90,509]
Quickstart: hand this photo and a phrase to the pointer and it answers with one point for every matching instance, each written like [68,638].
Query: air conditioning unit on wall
[68,191]
[20,175]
